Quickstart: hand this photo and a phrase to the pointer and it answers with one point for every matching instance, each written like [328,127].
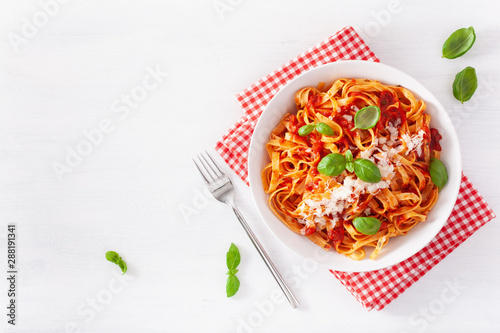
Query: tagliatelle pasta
[322,208]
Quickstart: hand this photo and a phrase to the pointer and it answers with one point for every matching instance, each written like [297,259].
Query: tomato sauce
[384,225]
[314,101]
[435,137]
[339,119]
[336,235]
[317,146]
[427,134]
[308,230]
[294,124]
[311,185]
[390,110]
[285,182]
[314,141]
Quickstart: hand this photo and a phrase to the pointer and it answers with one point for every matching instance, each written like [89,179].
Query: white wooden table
[104,103]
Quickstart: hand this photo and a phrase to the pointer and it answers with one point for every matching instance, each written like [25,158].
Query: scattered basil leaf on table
[123,266]
[332,165]
[349,165]
[232,261]
[232,285]
[367,117]
[465,84]
[459,43]
[320,127]
[116,259]
[367,171]
[367,225]
[306,129]
[439,175]
[232,257]
[112,256]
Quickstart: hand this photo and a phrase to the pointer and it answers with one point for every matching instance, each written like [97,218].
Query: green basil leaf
[367,117]
[116,259]
[348,156]
[349,166]
[113,257]
[367,171]
[232,271]
[459,42]
[232,257]
[465,84]
[232,285]
[439,175]
[306,129]
[367,225]
[324,129]
[123,266]
[332,165]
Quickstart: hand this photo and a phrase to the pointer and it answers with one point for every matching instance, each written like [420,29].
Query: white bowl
[399,248]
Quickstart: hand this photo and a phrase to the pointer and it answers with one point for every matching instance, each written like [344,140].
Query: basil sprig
[232,285]
[465,84]
[334,164]
[367,117]
[116,259]
[367,225]
[320,127]
[232,261]
[439,175]
[459,43]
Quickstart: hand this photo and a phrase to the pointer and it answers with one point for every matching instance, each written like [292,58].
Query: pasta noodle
[322,208]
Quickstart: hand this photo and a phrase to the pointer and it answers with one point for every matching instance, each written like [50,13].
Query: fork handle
[277,276]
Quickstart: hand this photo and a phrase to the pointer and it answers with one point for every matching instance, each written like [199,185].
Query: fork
[222,189]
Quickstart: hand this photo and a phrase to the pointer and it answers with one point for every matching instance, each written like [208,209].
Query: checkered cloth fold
[375,289]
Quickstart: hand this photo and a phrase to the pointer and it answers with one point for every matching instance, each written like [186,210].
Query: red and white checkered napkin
[375,289]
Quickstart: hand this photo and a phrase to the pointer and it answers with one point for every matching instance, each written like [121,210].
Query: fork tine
[220,171]
[209,166]
[201,172]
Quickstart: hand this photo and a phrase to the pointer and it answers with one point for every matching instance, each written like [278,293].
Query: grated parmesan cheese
[394,134]
[414,142]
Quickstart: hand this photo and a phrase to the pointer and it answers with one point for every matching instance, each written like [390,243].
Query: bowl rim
[451,188]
